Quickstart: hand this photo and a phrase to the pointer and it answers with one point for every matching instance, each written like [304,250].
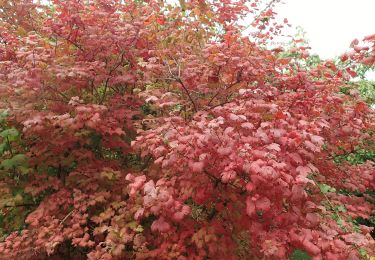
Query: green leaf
[341,208]
[139,229]
[15,161]
[20,160]
[132,225]
[300,255]
[362,252]
[3,147]
[10,133]
[3,115]
[324,188]
[7,164]
[23,169]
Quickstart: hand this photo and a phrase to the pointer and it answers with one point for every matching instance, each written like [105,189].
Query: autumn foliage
[143,130]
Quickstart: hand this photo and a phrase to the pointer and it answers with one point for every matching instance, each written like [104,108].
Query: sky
[331,25]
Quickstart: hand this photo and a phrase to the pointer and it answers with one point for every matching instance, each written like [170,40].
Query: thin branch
[178,66]
[217,93]
[328,200]
[261,12]
[240,189]
[73,43]
[178,79]
[67,216]
[19,205]
[221,104]
[188,94]
[109,77]
[58,92]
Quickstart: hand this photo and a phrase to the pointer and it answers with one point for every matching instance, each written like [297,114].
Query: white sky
[331,25]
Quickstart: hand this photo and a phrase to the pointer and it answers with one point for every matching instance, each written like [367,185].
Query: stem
[328,200]
[67,216]
[261,12]
[20,205]
[188,94]
[240,189]
[10,147]
[11,153]
[58,92]
[217,93]
[109,77]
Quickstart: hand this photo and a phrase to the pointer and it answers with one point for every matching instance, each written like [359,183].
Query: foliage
[365,88]
[137,129]
[300,255]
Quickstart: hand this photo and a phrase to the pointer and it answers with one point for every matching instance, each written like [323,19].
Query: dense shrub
[144,130]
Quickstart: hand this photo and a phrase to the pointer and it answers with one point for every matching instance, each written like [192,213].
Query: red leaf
[196,166]
[354,43]
[250,207]
[274,146]
[160,225]
[263,204]
[370,38]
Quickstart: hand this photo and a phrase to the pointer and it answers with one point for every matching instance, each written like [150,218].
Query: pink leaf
[263,204]
[311,146]
[274,146]
[228,176]
[196,167]
[247,125]
[311,248]
[268,172]
[160,225]
[224,150]
[303,170]
[139,213]
[296,158]
[250,206]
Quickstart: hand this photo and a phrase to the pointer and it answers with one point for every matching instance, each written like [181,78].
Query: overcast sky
[331,25]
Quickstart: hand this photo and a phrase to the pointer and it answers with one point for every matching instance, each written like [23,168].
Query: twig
[240,189]
[178,79]
[67,216]
[19,205]
[109,77]
[188,94]
[227,88]
[261,12]
[328,200]
[73,43]
[59,92]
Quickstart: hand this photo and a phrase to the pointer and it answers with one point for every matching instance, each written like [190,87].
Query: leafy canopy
[140,129]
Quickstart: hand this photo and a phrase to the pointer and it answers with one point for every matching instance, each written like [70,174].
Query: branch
[178,79]
[188,94]
[240,189]
[264,9]
[20,205]
[109,77]
[73,43]
[67,216]
[227,88]
[58,92]
[221,104]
